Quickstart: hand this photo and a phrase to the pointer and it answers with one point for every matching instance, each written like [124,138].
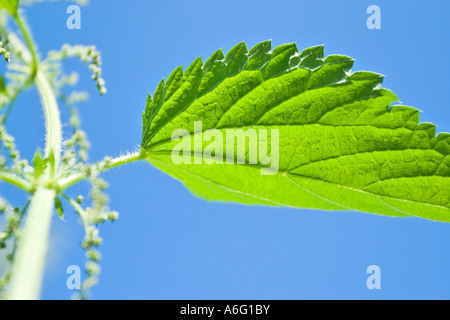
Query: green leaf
[2,85]
[10,5]
[59,208]
[51,161]
[343,143]
[39,165]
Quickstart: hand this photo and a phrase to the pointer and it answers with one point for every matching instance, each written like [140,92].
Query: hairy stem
[27,36]
[121,160]
[16,181]
[65,183]
[26,277]
[28,268]
[52,118]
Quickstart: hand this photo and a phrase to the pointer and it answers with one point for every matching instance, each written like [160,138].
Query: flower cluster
[87,54]
[92,217]
[19,166]
[4,52]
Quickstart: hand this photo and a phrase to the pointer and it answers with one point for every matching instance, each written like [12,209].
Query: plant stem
[16,181]
[26,277]
[64,183]
[52,119]
[28,268]
[27,36]
[128,158]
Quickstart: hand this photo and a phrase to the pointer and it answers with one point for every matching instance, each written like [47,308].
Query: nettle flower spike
[4,52]
[88,55]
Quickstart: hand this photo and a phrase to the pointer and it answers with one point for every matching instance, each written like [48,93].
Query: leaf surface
[342,142]
[10,5]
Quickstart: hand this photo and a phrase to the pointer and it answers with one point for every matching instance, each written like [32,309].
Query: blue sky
[168,244]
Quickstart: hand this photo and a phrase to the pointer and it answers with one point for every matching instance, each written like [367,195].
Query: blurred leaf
[59,208]
[10,5]
[2,85]
[39,165]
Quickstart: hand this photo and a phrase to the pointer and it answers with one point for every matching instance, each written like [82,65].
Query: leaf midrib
[275,126]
